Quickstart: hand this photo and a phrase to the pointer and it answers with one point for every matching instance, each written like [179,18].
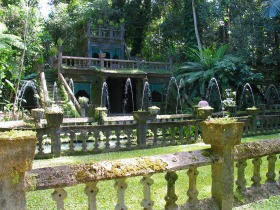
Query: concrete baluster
[120,186]
[58,196]
[147,203]
[91,191]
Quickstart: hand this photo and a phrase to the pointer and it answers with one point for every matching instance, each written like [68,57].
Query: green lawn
[106,197]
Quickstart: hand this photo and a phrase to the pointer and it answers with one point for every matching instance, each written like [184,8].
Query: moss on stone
[17,134]
[119,169]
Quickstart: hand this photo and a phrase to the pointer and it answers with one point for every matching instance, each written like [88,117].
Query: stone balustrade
[69,62]
[79,62]
[92,139]
[260,124]
[221,158]
[120,133]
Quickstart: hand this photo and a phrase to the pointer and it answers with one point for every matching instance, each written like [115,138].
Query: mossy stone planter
[100,114]
[37,114]
[17,150]
[253,111]
[54,119]
[222,134]
[142,116]
[204,113]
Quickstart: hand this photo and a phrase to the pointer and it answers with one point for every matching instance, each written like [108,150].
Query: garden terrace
[145,168]
[82,63]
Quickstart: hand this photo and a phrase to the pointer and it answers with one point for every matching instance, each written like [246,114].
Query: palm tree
[200,70]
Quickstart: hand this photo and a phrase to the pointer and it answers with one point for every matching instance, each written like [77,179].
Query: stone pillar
[223,178]
[141,117]
[83,109]
[12,195]
[55,141]
[222,143]
[17,154]
[102,57]
[54,120]
[253,115]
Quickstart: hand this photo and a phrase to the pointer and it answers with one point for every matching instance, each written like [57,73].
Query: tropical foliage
[211,62]
[247,31]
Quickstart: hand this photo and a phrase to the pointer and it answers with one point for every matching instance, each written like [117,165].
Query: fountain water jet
[128,92]
[20,94]
[71,85]
[269,94]
[146,96]
[213,82]
[105,96]
[247,87]
[178,99]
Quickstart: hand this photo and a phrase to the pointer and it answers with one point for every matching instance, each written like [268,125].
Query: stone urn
[17,150]
[254,111]
[83,101]
[204,112]
[142,116]
[54,115]
[37,114]
[221,133]
[100,114]
[154,110]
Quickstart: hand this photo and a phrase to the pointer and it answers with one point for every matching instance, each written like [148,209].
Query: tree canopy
[154,29]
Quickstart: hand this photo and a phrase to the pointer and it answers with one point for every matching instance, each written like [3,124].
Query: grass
[107,197]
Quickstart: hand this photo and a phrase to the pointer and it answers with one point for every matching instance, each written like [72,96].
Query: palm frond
[202,87]
[193,76]
[193,54]
[220,52]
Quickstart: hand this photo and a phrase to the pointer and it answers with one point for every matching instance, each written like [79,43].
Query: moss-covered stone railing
[261,187]
[93,139]
[61,177]
[260,124]
[122,135]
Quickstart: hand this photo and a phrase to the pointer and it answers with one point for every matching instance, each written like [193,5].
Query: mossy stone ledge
[221,134]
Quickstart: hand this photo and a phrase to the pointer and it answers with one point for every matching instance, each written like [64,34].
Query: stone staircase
[57,95]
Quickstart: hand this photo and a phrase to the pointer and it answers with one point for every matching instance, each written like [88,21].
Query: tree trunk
[195,26]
